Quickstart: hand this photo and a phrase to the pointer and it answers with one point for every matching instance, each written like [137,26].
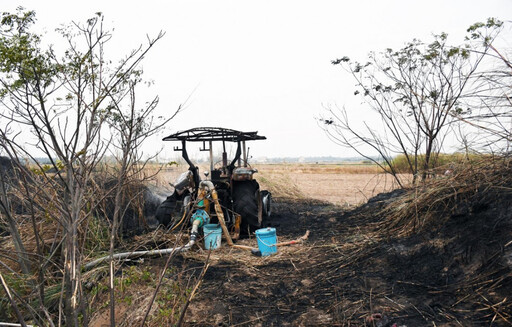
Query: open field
[341,184]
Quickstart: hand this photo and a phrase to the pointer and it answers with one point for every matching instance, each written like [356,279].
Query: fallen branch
[133,254]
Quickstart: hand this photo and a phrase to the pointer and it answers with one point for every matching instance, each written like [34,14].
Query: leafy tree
[491,102]
[416,92]
[64,107]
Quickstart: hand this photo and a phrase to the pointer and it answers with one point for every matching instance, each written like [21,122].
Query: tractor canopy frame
[207,135]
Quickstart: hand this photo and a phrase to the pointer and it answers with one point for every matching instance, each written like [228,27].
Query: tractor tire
[246,202]
[170,211]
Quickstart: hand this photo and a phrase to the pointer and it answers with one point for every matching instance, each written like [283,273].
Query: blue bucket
[267,240]
[212,236]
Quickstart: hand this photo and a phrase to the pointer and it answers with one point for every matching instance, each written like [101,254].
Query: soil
[354,271]
[350,273]
[356,190]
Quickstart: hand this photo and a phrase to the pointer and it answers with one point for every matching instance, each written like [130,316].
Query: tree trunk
[5,209]
[428,155]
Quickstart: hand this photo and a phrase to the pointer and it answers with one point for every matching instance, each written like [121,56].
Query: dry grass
[337,183]
[469,213]
[467,186]
[355,247]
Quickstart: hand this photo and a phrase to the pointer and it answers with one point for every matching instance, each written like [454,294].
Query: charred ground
[353,268]
[435,255]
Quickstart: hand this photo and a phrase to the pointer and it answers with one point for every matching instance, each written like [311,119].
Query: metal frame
[214,134]
[203,134]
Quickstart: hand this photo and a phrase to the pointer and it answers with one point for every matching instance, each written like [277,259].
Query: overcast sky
[262,65]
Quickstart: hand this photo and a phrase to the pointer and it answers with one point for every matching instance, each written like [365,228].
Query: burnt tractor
[244,206]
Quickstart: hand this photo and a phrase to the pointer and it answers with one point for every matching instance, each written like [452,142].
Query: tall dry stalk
[132,128]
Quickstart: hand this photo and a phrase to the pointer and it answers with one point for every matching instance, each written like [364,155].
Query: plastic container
[212,236]
[267,240]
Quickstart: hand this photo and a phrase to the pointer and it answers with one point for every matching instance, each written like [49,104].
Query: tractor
[244,206]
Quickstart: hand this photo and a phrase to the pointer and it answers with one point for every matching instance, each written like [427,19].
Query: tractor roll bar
[200,134]
[210,134]
[192,167]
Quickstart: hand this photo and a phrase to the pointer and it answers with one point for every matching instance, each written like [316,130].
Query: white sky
[262,65]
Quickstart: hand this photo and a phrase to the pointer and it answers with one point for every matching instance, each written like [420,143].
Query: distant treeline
[328,159]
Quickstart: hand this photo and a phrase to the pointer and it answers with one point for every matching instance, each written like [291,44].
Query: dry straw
[433,202]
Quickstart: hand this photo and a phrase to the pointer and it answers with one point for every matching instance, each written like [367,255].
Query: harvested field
[340,184]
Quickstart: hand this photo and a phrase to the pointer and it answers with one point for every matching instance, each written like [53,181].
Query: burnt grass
[354,272]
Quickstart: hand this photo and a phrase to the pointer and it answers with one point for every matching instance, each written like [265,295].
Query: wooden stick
[191,296]
[243,247]
[220,216]
[297,241]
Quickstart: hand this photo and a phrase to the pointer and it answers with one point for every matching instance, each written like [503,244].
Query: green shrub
[438,163]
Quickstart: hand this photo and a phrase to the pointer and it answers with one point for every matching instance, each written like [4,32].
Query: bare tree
[57,108]
[131,127]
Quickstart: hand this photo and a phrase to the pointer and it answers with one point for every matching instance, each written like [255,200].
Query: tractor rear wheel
[246,202]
